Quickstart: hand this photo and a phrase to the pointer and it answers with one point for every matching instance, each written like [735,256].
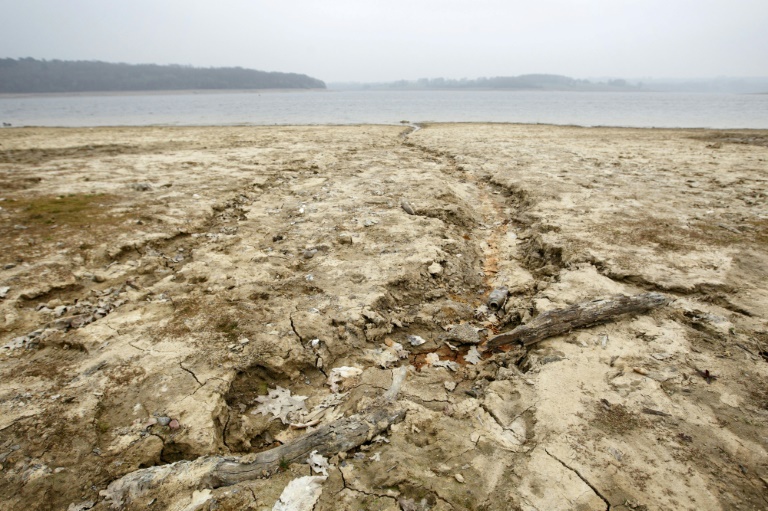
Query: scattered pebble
[459,478]
[450,386]
[4,291]
[415,340]
[164,421]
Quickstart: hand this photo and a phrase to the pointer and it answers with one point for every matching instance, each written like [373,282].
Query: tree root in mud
[580,315]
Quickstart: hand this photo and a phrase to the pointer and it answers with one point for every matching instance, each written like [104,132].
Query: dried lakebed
[179,306]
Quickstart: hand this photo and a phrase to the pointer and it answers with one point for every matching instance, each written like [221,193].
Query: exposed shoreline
[158,282]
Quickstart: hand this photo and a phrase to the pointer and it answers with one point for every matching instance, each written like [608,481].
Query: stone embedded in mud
[309,254]
[4,291]
[415,340]
[344,239]
[435,269]
[407,207]
[163,421]
[339,374]
[82,506]
[463,334]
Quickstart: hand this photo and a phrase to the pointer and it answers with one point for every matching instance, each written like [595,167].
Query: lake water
[636,109]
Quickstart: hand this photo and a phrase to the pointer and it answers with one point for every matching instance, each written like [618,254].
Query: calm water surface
[637,109]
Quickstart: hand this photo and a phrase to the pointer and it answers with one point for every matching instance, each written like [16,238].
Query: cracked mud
[172,294]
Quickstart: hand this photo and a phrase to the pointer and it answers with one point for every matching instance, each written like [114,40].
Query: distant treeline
[565,83]
[31,75]
[532,81]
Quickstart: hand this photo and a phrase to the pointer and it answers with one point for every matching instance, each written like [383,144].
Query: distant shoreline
[158,92]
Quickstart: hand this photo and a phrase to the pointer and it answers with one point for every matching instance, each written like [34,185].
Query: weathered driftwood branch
[209,472]
[339,436]
[580,315]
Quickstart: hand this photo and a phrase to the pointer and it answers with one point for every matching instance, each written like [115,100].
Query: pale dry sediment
[229,261]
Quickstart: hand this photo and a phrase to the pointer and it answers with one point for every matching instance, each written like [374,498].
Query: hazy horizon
[342,41]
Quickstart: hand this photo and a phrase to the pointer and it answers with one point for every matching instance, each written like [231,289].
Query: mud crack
[181,365]
[583,479]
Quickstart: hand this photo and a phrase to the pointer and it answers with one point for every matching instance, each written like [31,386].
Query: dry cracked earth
[184,294]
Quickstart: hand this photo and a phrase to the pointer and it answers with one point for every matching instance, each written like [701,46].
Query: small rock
[344,239]
[4,291]
[9,266]
[407,207]
[164,421]
[368,222]
[174,424]
[435,269]
[415,340]
[140,187]
[82,506]
[450,386]
[463,334]
[616,453]
[309,254]
[19,227]
[459,478]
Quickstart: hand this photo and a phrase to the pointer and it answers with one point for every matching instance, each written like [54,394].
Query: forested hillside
[32,75]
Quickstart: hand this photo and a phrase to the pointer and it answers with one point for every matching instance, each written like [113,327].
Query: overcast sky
[372,40]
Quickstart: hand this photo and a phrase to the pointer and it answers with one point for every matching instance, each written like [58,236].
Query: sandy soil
[160,284]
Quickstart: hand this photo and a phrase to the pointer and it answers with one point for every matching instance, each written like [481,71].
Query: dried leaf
[279,403]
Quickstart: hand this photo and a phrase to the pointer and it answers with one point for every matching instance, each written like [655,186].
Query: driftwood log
[580,315]
[139,488]
[338,436]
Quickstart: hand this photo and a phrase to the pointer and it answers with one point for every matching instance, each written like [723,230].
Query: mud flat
[178,300]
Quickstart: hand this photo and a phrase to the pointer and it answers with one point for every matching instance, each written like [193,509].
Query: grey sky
[372,40]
